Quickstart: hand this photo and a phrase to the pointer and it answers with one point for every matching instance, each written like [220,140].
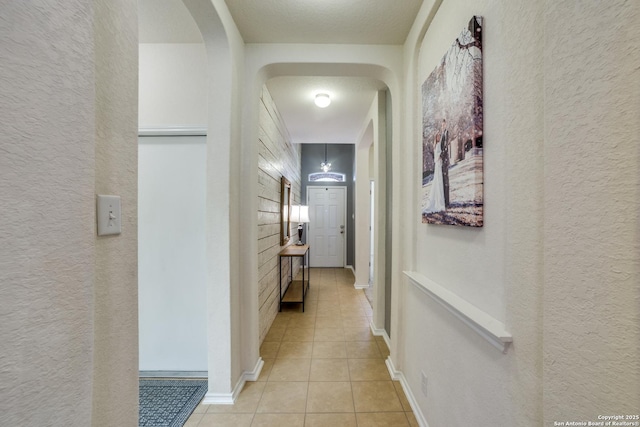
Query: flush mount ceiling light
[322,100]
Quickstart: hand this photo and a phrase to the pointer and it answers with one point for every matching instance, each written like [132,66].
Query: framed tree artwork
[452,143]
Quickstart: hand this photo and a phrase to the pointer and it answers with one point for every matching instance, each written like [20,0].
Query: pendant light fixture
[325,166]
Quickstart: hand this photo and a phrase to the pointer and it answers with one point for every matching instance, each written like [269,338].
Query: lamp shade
[299,213]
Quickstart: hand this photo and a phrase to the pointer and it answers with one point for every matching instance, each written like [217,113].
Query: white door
[172,263]
[327,226]
[371,235]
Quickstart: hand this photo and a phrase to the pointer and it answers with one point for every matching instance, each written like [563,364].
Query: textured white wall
[497,268]
[476,255]
[47,232]
[115,388]
[519,114]
[591,206]
[68,298]
[172,81]
[550,111]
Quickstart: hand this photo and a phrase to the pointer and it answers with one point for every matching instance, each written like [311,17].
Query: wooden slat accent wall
[277,157]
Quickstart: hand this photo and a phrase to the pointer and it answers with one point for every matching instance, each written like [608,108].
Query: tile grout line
[343,304]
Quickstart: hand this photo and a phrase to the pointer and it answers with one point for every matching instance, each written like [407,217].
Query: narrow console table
[295,290]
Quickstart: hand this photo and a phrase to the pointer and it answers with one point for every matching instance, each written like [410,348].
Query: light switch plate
[109,216]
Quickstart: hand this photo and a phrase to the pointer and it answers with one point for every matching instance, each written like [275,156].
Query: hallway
[322,367]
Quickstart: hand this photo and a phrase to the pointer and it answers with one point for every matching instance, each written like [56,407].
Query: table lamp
[299,214]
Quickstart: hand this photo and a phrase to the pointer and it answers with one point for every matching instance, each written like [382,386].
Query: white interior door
[327,226]
[172,266]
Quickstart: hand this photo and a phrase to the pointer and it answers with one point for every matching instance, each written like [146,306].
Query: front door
[327,226]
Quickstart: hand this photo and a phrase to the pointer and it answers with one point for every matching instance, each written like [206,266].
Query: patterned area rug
[168,403]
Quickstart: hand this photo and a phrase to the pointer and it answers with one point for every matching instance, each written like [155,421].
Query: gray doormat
[169,403]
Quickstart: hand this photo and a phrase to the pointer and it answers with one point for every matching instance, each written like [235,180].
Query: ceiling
[324,21]
[339,123]
[300,21]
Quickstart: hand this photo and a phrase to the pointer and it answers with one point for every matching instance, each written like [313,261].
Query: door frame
[346,225]
[372,232]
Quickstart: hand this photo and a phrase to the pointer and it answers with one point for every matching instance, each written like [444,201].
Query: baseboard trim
[350,267]
[218,399]
[360,286]
[397,375]
[255,373]
[380,333]
[230,398]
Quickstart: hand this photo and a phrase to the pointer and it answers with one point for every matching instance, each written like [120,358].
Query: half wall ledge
[482,323]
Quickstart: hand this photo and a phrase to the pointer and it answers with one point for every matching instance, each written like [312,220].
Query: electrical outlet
[424,384]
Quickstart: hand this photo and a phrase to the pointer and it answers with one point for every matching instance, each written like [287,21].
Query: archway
[222,301]
[265,62]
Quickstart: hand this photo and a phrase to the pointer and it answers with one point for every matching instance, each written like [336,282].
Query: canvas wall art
[452,158]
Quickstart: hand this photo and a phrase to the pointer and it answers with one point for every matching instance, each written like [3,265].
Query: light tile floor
[321,368]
